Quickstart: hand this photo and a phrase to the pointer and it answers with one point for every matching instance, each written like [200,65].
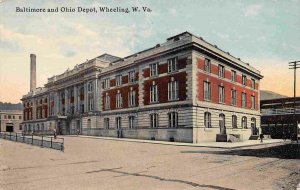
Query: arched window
[131,122]
[207,120]
[244,122]
[118,122]
[173,119]
[234,121]
[106,123]
[222,120]
[253,126]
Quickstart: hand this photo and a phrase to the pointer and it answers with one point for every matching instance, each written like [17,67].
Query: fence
[43,141]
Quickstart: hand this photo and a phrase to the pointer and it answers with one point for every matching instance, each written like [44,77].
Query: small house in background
[10,120]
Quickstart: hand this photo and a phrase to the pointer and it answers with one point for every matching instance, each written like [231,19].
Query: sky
[264,33]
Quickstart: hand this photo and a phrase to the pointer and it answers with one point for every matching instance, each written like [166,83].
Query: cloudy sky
[264,33]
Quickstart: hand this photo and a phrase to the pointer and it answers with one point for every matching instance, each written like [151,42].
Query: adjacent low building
[278,117]
[10,120]
[184,89]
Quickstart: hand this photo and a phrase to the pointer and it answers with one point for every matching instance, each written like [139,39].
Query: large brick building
[184,89]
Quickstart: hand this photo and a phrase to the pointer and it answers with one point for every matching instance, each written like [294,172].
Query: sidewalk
[226,145]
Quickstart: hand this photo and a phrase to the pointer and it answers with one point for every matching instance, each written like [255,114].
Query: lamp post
[295,65]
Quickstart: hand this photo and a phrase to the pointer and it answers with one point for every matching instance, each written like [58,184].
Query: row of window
[153,121]
[221,73]
[154,71]
[221,90]
[131,76]
[11,117]
[207,121]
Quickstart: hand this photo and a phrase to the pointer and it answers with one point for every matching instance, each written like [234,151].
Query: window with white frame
[252,102]
[207,120]
[253,83]
[131,76]
[173,119]
[119,102]
[132,96]
[207,90]
[131,122]
[118,80]
[234,121]
[207,65]
[107,102]
[90,103]
[244,122]
[244,80]
[233,97]
[221,71]
[153,93]
[106,123]
[90,87]
[172,65]
[154,120]
[106,83]
[221,94]
[153,69]
[233,75]
[173,90]
[244,99]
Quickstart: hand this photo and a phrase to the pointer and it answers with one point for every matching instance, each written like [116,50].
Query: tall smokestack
[32,72]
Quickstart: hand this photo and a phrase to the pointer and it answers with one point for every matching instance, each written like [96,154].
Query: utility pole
[295,65]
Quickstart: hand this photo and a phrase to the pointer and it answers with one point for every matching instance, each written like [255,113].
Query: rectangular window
[221,71]
[233,75]
[107,102]
[106,84]
[119,102]
[20,117]
[243,99]
[244,80]
[233,97]
[173,90]
[253,83]
[154,120]
[9,116]
[252,102]
[173,119]
[154,93]
[131,99]
[207,65]
[207,90]
[90,103]
[118,122]
[106,123]
[172,65]
[221,94]
[153,69]
[118,80]
[131,76]
[131,123]
[90,87]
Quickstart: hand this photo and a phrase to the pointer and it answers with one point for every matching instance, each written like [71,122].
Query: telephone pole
[295,65]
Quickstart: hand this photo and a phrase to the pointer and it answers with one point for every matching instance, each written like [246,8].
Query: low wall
[161,134]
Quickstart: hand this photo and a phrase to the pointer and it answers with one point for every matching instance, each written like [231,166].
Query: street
[90,163]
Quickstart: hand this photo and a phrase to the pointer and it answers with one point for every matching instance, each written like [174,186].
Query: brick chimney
[32,72]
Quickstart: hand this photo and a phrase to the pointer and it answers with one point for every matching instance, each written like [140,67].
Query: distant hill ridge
[10,106]
[268,95]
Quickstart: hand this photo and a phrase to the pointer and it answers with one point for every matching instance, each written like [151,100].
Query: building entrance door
[9,128]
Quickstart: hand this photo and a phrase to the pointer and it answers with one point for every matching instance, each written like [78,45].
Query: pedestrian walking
[261,136]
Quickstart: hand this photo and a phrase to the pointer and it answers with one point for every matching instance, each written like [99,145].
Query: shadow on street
[288,151]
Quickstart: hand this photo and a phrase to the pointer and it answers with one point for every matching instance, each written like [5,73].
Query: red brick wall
[125,92]
[215,82]
[162,83]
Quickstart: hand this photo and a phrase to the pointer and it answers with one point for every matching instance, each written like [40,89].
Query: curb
[173,143]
